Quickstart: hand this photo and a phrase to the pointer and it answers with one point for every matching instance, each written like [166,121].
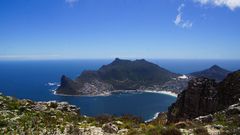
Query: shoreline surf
[169,93]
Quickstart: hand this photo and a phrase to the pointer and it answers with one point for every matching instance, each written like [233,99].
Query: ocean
[35,80]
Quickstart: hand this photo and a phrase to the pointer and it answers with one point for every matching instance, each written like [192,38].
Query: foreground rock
[60,118]
[200,98]
[204,96]
[46,118]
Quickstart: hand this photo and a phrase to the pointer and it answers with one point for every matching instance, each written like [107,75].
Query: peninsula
[118,75]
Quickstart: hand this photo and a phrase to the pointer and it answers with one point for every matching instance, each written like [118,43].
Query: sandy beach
[125,91]
[163,92]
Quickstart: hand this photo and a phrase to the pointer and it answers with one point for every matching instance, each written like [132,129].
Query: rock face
[229,90]
[118,75]
[200,98]
[204,96]
[110,128]
[214,72]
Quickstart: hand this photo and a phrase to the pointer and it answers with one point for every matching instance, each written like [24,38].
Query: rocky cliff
[204,96]
[118,75]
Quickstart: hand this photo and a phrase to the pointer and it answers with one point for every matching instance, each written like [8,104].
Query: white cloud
[179,19]
[232,4]
[187,24]
[71,2]
[180,8]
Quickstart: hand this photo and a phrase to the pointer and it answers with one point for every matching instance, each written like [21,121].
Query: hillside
[118,75]
[214,72]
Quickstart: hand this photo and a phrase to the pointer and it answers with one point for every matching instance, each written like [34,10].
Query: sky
[100,29]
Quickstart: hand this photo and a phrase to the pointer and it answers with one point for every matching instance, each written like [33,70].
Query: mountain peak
[215,67]
[64,77]
[143,60]
[118,60]
[214,72]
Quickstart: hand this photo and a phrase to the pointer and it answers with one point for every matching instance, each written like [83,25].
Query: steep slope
[214,72]
[118,75]
[126,74]
[229,90]
[204,96]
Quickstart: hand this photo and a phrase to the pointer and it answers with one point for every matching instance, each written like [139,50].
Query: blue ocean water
[29,79]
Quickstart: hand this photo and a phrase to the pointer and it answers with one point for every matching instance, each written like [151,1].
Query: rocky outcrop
[61,118]
[229,90]
[118,75]
[51,118]
[69,84]
[200,98]
[110,128]
[214,72]
[204,96]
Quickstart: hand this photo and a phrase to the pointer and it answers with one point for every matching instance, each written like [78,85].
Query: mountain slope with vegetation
[204,108]
[214,72]
[118,75]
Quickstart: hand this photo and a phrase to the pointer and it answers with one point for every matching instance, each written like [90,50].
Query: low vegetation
[28,117]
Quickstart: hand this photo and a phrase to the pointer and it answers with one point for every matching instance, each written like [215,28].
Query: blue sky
[80,29]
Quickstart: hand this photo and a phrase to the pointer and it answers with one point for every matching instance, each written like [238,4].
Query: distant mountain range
[132,75]
[214,72]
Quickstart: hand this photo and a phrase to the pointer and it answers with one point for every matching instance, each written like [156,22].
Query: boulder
[233,109]
[205,119]
[39,107]
[110,128]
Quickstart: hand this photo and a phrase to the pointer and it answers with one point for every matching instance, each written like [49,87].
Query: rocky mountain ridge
[215,72]
[118,75]
[204,96]
[132,75]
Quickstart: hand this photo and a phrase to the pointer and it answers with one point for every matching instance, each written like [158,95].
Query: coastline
[169,93]
[67,95]
[153,118]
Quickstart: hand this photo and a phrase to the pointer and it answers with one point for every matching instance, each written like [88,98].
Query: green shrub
[170,131]
[53,105]
[152,130]
[201,131]
[131,118]
[220,119]
[104,118]
[133,132]
[3,123]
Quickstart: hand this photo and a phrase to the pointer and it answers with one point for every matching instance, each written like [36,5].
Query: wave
[53,84]
[153,118]
[163,92]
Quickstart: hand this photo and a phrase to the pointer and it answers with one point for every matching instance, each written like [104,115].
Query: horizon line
[124,58]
